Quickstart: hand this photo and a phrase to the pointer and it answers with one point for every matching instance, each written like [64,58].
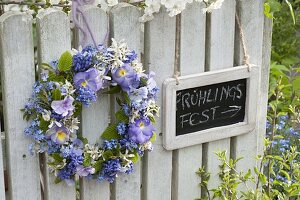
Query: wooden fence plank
[95,118]
[2,157]
[17,80]
[252,20]
[125,25]
[192,58]
[159,57]
[220,55]
[53,32]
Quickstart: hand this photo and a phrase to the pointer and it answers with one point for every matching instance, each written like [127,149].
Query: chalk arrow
[234,109]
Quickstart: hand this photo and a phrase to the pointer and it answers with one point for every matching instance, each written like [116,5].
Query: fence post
[18,77]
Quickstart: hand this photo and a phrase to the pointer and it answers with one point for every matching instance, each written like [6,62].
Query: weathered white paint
[192,58]
[159,165]
[219,55]
[54,38]
[159,57]
[252,20]
[17,73]
[171,141]
[126,26]
[95,118]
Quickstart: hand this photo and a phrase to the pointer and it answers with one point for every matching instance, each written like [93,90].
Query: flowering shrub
[149,7]
[75,80]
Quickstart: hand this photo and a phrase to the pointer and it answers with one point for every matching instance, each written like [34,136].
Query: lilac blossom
[140,131]
[58,135]
[89,79]
[63,107]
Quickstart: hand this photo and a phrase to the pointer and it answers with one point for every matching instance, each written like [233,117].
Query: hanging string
[176,73]
[246,60]
[76,10]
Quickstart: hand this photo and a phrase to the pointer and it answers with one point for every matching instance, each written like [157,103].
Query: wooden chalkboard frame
[171,141]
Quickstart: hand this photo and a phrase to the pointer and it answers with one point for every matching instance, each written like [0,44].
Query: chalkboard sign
[210,106]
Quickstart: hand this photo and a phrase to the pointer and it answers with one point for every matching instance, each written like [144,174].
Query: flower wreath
[74,80]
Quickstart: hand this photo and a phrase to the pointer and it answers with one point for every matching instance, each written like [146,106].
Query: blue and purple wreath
[75,80]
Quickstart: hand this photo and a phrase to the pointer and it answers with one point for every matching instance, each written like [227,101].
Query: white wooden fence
[208,42]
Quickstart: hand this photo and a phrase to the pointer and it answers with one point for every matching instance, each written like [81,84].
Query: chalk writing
[210,106]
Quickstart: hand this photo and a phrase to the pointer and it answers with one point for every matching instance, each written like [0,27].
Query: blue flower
[110,144]
[124,76]
[126,109]
[128,144]
[110,170]
[129,169]
[34,131]
[130,57]
[83,60]
[121,128]
[86,96]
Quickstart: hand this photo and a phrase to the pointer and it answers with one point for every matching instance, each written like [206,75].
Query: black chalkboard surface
[210,106]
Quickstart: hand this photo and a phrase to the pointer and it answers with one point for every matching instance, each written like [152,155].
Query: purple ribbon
[77,8]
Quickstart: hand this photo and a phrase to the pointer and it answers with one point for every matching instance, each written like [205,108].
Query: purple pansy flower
[124,76]
[58,135]
[140,131]
[63,107]
[89,79]
[138,95]
[84,171]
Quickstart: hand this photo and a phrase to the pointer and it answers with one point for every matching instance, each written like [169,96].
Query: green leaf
[296,84]
[56,94]
[57,157]
[57,180]
[152,119]
[98,165]
[121,116]
[56,78]
[83,139]
[262,178]
[65,62]
[135,158]
[113,90]
[44,124]
[153,138]
[110,133]
[126,97]
[87,160]
[78,108]
[291,11]
[119,101]
[46,66]
[107,154]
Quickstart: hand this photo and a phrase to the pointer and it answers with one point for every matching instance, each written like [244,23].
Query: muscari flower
[124,76]
[110,170]
[86,96]
[140,131]
[89,79]
[57,134]
[63,107]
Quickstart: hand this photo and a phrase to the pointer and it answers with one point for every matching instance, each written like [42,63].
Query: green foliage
[110,133]
[257,185]
[272,7]
[65,62]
